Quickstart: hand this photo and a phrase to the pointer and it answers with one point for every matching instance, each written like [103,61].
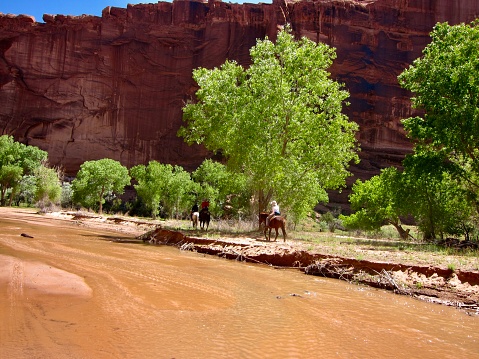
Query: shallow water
[72,292]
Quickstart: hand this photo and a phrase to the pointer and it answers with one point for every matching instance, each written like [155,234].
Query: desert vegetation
[290,142]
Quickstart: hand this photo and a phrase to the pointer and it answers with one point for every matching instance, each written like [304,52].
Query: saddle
[268,221]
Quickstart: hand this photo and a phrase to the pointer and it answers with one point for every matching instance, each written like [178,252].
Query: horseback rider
[274,212]
[205,205]
[193,210]
[205,214]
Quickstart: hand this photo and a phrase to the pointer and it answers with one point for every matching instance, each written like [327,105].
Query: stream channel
[74,292]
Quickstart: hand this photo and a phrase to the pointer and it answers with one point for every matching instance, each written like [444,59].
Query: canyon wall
[88,87]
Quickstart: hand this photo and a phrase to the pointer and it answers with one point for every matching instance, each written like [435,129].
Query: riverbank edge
[457,288]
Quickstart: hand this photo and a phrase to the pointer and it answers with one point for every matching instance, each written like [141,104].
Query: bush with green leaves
[66,199]
[48,186]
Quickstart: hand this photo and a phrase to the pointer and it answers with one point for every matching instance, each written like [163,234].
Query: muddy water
[71,292]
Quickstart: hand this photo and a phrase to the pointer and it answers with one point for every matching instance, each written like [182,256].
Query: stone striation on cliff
[89,87]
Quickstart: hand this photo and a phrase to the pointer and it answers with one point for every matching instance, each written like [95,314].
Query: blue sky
[37,8]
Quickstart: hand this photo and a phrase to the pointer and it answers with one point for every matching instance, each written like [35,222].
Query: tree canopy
[97,179]
[424,190]
[439,203]
[166,186]
[377,202]
[16,160]
[180,193]
[225,190]
[279,122]
[445,86]
[152,183]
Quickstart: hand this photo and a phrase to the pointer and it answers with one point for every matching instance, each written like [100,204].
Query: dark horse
[205,218]
[275,222]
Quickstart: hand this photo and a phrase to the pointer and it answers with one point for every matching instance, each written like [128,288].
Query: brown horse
[276,222]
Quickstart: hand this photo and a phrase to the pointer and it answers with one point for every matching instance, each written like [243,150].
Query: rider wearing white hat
[274,212]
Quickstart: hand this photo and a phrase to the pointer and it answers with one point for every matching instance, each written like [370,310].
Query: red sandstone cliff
[88,87]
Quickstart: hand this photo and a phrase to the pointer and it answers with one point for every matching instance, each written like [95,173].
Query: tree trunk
[2,201]
[11,197]
[263,200]
[101,200]
[403,233]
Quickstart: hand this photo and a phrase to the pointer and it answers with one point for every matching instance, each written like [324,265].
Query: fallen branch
[385,274]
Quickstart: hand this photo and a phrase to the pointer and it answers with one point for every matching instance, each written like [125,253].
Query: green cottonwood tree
[424,190]
[377,202]
[152,183]
[96,179]
[445,86]
[180,194]
[430,194]
[225,190]
[279,122]
[16,160]
[170,186]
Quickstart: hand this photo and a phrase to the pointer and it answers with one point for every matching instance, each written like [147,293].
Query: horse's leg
[284,233]
[265,229]
[276,237]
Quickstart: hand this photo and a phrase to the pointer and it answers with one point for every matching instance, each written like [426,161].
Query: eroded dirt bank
[434,284]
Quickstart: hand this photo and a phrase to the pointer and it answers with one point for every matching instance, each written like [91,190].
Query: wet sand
[78,292]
